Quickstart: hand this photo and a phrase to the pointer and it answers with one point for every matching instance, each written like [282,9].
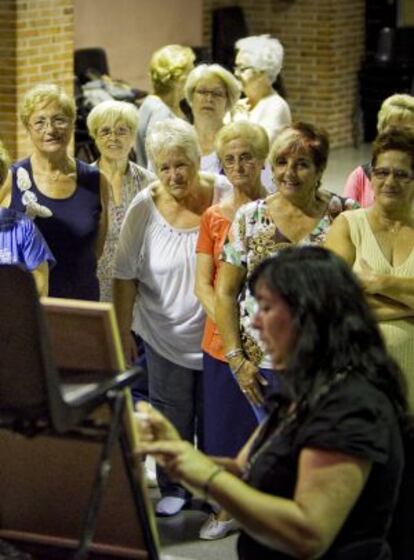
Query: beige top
[398,334]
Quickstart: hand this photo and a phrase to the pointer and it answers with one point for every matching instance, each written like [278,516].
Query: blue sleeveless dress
[69,226]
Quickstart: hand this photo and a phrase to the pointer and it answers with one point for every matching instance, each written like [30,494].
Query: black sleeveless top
[69,226]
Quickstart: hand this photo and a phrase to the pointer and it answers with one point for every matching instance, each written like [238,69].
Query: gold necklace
[54,175]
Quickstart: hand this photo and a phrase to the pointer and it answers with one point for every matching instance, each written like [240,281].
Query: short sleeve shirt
[253,237]
[354,418]
[214,227]
[358,186]
[21,242]
[167,314]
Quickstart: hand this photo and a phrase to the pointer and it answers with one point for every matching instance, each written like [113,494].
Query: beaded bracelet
[234,353]
[209,481]
[238,368]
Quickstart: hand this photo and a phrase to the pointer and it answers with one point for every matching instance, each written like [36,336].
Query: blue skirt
[229,418]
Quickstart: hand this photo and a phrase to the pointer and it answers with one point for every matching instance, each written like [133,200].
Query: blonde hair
[168,65]
[231,85]
[302,137]
[254,134]
[398,107]
[44,94]
[4,163]
[171,134]
[112,113]
[264,52]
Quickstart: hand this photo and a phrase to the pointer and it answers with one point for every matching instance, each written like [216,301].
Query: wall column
[36,46]
[324,46]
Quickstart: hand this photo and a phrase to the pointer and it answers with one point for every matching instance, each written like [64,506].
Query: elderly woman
[155,270]
[320,478]
[228,419]
[66,198]
[396,111]
[169,68]
[211,91]
[378,243]
[258,63]
[20,240]
[300,212]
[113,125]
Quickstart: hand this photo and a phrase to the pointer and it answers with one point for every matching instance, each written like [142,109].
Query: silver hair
[265,53]
[172,134]
[112,112]
[231,85]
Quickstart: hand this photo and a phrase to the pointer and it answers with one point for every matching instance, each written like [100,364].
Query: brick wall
[36,45]
[324,45]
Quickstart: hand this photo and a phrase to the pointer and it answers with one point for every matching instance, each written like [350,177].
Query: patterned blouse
[253,237]
[135,180]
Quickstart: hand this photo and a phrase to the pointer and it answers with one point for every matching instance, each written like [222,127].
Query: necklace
[54,175]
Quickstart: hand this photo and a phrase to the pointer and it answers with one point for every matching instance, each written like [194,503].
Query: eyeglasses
[107,131]
[400,175]
[214,93]
[59,122]
[239,70]
[229,162]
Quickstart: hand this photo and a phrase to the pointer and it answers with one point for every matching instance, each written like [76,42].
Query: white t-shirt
[272,113]
[167,314]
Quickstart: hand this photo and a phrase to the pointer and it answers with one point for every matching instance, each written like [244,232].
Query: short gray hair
[170,134]
[265,54]
[43,94]
[112,112]
[254,134]
[231,85]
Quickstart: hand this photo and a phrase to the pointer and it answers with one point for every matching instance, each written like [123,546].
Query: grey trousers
[176,391]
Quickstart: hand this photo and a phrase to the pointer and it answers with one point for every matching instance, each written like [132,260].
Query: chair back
[25,353]
[90,60]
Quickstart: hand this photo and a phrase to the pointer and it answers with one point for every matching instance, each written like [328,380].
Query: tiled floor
[179,535]
[341,162]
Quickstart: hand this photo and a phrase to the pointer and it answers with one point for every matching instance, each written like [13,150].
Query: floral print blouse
[253,237]
[136,179]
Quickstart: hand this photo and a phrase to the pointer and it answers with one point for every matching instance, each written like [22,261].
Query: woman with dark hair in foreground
[320,477]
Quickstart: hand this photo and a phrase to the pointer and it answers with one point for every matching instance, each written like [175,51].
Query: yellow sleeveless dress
[398,334]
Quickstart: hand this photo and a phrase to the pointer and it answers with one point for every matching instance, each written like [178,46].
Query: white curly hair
[265,53]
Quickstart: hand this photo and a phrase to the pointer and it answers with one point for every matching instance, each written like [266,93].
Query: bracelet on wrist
[209,481]
[238,368]
[233,353]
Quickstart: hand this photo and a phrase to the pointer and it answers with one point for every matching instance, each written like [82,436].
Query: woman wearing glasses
[300,212]
[228,418]
[396,111]
[211,91]
[378,243]
[258,63]
[113,125]
[66,198]
[154,282]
